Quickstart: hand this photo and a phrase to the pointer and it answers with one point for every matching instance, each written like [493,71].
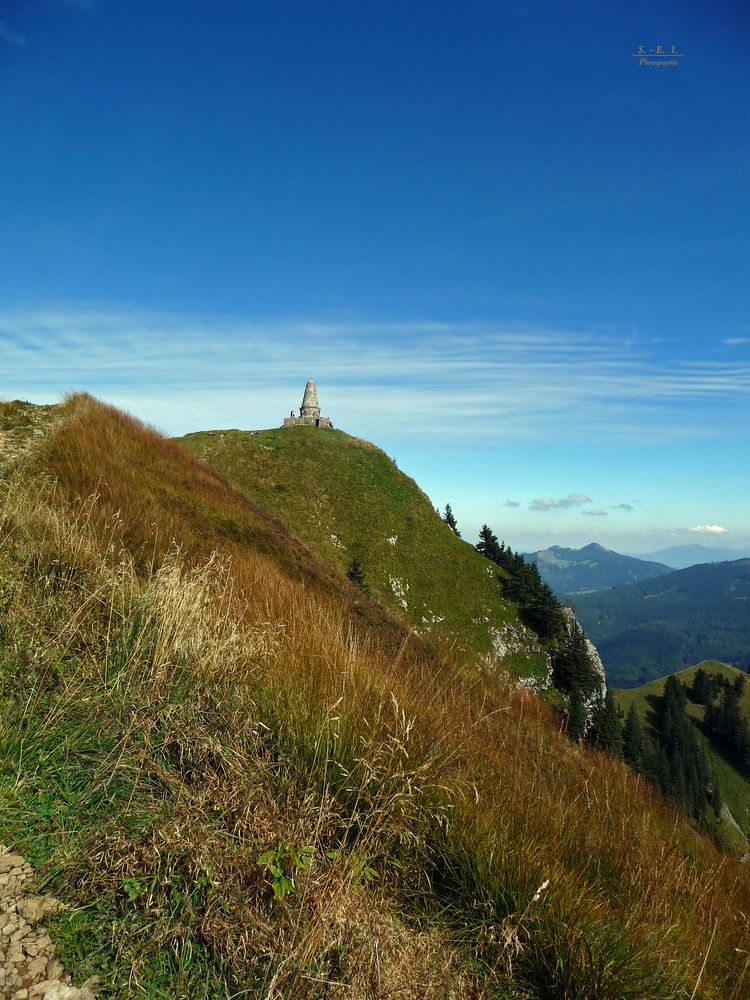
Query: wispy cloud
[9,35]
[623,506]
[595,512]
[736,341]
[547,503]
[708,529]
[21,7]
[442,381]
[574,500]
[511,503]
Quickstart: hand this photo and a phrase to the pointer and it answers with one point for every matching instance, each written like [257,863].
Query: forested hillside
[651,629]
[689,733]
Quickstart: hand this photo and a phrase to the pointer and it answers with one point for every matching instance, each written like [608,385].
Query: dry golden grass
[257,704]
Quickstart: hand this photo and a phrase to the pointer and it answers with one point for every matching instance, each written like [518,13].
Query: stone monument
[309,412]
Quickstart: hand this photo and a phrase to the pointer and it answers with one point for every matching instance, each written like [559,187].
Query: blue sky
[509,254]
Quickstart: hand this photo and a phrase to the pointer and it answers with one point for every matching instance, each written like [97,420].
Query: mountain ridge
[570,571]
[682,556]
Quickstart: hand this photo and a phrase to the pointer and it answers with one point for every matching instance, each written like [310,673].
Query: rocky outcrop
[593,683]
[29,969]
[597,667]
[510,639]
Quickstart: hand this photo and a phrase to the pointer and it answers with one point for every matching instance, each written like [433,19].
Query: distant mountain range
[650,629]
[573,571]
[682,556]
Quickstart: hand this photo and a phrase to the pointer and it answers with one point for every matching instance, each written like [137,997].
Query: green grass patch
[346,499]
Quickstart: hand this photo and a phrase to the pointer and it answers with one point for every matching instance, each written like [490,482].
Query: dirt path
[29,969]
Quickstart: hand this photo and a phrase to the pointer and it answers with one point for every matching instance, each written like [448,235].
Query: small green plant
[361,873]
[282,863]
[132,888]
[356,573]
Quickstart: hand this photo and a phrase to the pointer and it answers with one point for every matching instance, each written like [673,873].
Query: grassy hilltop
[245,779]
[345,498]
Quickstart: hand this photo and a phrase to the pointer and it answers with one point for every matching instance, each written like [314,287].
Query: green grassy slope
[345,498]
[735,787]
[651,629]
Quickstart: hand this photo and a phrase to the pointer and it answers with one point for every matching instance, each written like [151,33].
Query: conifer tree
[576,715]
[571,663]
[716,799]
[632,741]
[744,751]
[725,724]
[701,691]
[543,613]
[606,729]
[487,544]
[450,520]
[680,766]
[356,573]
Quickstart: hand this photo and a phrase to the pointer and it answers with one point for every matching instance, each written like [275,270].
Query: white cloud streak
[547,503]
[445,381]
[708,529]
[9,35]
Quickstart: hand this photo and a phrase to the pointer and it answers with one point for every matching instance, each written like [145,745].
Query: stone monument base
[307,422]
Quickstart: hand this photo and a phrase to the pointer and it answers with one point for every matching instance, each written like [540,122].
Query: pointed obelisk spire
[310,406]
[309,412]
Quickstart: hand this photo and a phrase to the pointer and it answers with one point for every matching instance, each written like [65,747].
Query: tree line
[574,672]
[675,757]
[723,720]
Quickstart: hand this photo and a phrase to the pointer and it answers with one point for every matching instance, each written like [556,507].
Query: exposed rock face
[538,684]
[509,639]
[399,588]
[598,666]
[29,969]
[571,622]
